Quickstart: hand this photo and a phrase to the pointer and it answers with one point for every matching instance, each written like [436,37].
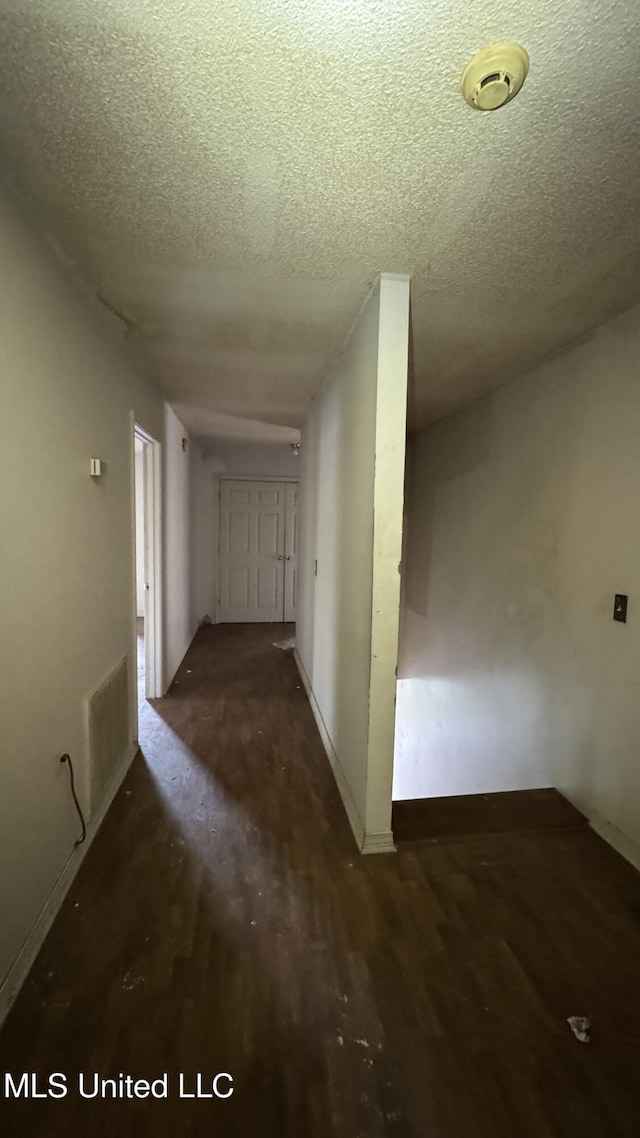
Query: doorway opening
[147,549]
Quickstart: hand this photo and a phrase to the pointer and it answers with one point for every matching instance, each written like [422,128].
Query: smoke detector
[494,76]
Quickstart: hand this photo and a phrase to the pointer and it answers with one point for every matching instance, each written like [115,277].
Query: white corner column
[352,488]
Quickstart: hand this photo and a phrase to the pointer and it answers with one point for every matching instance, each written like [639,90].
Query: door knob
[288,558]
[280,557]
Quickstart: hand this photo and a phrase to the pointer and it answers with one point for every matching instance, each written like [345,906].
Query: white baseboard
[620,842]
[22,965]
[378,842]
[367,843]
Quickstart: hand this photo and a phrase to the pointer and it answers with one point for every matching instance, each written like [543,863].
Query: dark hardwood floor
[223,921]
[419,819]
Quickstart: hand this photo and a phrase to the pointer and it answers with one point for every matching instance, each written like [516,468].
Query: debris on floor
[581,1027]
[287,645]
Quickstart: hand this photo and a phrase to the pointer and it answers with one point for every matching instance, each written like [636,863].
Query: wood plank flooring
[462,815]
[223,921]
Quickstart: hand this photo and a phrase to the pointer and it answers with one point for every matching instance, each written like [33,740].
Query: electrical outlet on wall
[620,607]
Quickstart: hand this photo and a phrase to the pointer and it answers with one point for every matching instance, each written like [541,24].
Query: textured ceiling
[230,177]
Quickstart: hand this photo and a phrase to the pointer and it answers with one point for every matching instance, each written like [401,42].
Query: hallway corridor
[224,921]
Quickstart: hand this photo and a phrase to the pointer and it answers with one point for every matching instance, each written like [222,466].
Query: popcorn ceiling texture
[232,175]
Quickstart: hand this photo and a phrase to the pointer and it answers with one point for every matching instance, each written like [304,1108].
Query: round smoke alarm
[494,76]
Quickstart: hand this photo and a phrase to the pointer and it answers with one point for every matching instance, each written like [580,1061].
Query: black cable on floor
[67,759]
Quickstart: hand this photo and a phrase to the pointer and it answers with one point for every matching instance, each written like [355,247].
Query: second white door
[258,551]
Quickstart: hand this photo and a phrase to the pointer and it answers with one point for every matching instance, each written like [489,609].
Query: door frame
[226,476]
[290,584]
[153,608]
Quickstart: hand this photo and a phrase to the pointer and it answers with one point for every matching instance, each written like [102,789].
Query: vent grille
[108,724]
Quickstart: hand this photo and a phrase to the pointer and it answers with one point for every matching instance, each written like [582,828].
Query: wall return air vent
[494,76]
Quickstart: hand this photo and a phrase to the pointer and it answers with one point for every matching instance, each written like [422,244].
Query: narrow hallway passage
[223,921]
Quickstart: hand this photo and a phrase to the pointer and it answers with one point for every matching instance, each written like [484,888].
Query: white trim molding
[153,556]
[378,842]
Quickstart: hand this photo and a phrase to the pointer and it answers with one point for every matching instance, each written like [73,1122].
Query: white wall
[200,539]
[352,465]
[228,458]
[258,460]
[524,521]
[140,559]
[180,621]
[308,538]
[67,590]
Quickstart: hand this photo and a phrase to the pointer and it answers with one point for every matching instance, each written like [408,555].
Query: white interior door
[291,531]
[252,520]
[258,551]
